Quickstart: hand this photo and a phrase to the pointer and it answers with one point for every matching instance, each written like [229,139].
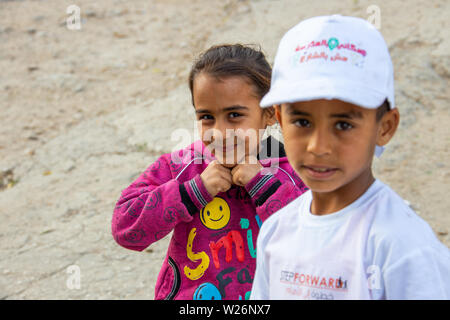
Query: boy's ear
[388,126]
[278,113]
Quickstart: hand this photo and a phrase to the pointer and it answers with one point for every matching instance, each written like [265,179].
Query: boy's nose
[319,143]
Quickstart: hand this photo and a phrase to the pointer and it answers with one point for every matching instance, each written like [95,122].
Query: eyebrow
[227,109]
[293,112]
[347,115]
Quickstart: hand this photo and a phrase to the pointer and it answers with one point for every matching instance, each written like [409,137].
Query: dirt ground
[83,112]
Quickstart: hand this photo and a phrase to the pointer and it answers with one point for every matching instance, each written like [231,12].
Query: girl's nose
[223,132]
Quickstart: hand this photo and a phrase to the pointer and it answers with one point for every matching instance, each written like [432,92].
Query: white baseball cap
[332,57]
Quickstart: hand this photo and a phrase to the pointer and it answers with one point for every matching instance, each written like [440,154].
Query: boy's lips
[318,171]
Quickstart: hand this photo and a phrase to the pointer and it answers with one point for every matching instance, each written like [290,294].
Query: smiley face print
[216,214]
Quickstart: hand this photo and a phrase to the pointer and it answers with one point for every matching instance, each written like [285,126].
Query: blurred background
[88,104]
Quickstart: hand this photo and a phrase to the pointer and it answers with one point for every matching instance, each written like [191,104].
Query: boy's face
[330,143]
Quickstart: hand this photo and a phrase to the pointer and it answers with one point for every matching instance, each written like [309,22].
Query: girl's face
[230,120]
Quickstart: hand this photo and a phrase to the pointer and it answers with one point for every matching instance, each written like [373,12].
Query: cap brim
[350,92]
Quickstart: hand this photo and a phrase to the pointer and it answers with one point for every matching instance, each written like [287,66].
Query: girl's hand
[216,178]
[243,173]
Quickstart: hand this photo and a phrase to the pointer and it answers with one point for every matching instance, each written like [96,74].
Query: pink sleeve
[153,205]
[271,191]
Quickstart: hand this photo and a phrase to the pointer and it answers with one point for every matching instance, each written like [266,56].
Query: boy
[350,236]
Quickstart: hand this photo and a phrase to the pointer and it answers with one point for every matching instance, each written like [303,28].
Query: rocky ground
[83,112]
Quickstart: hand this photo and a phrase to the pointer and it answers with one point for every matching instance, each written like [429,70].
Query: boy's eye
[303,123]
[234,115]
[342,125]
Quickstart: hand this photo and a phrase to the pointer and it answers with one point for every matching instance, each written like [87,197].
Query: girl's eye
[344,126]
[302,123]
[205,117]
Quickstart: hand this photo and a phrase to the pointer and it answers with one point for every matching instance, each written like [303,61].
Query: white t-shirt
[375,248]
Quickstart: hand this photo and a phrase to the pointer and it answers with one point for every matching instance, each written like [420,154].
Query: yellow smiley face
[216,214]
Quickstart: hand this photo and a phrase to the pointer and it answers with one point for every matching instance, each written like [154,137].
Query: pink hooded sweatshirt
[212,251]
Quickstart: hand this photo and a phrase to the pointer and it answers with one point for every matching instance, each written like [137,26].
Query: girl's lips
[319,172]
[225,148]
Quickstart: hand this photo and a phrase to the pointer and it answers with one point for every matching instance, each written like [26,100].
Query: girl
[215,193]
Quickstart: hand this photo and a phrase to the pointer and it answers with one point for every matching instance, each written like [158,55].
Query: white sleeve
[422,274]
[260,287]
